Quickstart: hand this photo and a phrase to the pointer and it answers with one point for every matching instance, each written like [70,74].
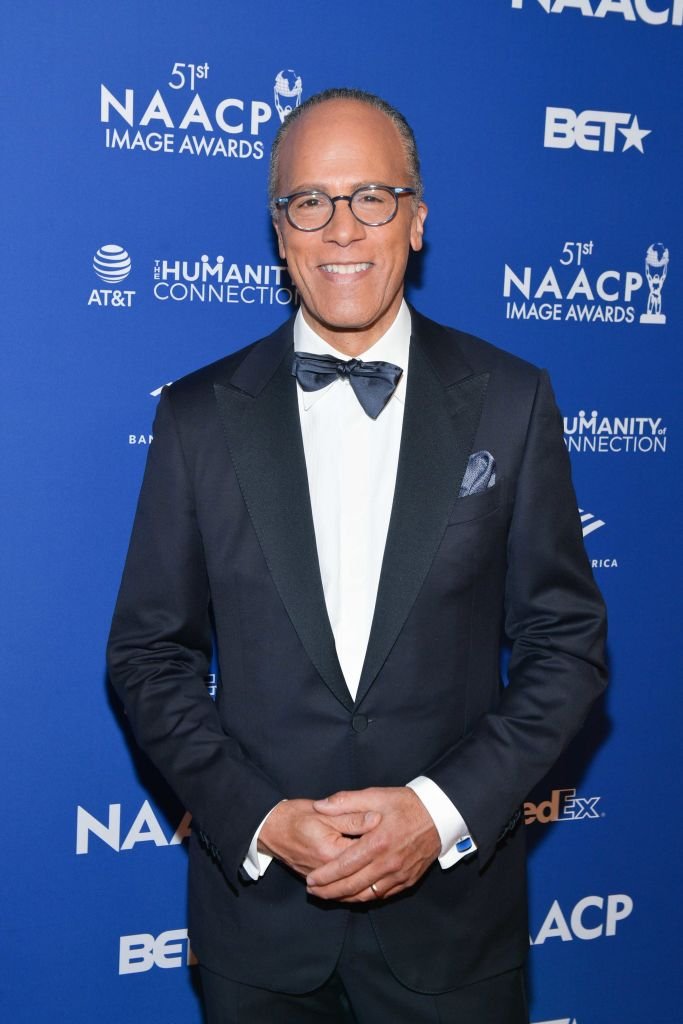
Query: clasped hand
[354,846]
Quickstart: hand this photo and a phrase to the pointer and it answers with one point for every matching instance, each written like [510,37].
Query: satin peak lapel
[443,406]
[261,418]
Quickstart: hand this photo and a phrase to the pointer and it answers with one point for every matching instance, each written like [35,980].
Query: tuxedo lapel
[443,406]
[259,409]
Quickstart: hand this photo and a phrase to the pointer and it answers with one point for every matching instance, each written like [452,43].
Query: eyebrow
[317,187]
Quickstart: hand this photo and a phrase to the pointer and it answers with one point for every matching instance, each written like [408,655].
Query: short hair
[360,96]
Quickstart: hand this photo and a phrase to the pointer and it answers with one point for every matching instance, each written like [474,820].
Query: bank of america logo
[589,524]
[560,1020]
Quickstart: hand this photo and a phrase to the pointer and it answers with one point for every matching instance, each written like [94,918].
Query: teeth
[345,268]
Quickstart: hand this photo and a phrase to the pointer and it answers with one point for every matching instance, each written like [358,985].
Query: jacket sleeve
[159,654]
[555,621]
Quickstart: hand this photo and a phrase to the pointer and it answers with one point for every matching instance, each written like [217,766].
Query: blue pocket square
[480,474]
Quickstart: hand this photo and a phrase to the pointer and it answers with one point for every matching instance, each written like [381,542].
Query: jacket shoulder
[482,356]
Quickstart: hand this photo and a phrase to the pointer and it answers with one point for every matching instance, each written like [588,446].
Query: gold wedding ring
[374,889]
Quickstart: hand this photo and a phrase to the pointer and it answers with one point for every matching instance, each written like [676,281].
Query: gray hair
[358,95]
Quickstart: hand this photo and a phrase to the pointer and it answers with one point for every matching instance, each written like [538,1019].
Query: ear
[280,241]
[417,227]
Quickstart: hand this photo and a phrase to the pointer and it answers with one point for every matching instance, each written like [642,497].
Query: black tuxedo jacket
[223,545]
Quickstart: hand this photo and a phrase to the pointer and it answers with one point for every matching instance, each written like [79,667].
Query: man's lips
[345,269]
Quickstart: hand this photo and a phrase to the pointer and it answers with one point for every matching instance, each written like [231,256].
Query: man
[359,537]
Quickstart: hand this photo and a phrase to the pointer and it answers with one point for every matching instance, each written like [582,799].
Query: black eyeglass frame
[282,202]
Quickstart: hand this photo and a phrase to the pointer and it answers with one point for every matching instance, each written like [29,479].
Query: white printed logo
[592,918]
[656,269]
[592,130]
[180,121]
[207,280]
[559,1020]
[112,264]
[578,288]
[144,829]
[142,952]
[212,684]
[589,524]
[287,92]
[629,10]
[615,434]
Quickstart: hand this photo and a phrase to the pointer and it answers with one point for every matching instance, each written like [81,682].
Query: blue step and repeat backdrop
[137,246]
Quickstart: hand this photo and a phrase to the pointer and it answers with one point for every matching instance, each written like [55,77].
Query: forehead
[340,144]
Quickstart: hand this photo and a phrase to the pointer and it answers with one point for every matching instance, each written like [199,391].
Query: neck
[354,341]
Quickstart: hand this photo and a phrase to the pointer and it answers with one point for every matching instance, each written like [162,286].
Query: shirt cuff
[456,841]
[255,864]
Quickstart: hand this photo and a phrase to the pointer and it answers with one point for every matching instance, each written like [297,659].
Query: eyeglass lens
[371,206]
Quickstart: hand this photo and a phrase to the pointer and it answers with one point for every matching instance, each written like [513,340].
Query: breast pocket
[473,547]
[475,506]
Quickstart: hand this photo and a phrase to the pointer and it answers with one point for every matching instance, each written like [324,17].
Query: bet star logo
[634,135]
[592,130]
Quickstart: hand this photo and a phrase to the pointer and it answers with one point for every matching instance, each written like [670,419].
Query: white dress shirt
[351,462]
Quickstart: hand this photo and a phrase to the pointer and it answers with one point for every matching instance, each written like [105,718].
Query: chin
[354,319]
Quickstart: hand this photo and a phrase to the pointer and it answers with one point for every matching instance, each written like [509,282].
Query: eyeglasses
[372,205]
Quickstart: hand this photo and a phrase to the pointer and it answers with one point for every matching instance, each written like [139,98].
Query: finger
[367,896]
[349,801]
[354,823]
[354,889]
[355,858]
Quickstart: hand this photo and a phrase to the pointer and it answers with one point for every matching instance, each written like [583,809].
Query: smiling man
[359,506]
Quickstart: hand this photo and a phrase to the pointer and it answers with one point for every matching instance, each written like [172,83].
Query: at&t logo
[112,264]
[629,10]
[592,130]
[142,952]
[563,805]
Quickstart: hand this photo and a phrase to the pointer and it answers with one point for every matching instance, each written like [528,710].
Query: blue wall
[540,248]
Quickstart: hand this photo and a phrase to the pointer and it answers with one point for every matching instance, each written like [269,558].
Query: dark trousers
[362,990]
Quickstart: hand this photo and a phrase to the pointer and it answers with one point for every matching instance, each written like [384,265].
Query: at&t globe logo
[112,264]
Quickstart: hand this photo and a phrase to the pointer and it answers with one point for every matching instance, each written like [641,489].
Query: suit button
[359,723]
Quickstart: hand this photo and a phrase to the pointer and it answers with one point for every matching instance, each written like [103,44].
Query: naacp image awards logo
[190,114]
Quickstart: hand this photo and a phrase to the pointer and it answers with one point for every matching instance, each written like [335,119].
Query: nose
[343,228]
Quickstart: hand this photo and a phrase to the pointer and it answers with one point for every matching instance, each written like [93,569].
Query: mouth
[345,269]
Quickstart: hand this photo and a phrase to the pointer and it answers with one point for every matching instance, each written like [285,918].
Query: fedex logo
[563,805]
[594,130]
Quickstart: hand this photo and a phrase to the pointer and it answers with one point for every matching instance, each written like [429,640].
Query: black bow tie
[373,383]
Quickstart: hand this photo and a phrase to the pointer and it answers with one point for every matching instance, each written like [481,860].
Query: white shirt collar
[392,347]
